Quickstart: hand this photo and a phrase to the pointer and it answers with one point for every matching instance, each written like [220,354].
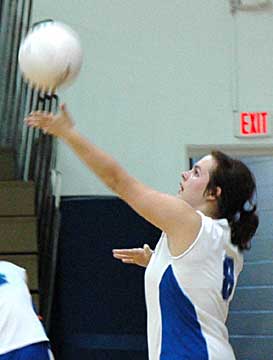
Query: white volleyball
[50,56]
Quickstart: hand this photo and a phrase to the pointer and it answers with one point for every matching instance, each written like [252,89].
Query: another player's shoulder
[7,267]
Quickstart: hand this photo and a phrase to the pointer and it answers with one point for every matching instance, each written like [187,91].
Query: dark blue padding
[182,337]
[97,299]
[108,342]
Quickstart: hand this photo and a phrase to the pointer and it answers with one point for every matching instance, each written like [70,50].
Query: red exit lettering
[254,123]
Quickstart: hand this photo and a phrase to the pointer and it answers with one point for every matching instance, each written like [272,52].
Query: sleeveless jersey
[19,324]
[187,296]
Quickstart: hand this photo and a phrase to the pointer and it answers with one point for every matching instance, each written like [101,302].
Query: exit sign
[253,124]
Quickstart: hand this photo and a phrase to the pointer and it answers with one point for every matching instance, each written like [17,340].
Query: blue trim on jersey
[182,337]
[38,351]
[3,279]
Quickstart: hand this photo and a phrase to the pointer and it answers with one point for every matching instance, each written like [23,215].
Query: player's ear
[214,194]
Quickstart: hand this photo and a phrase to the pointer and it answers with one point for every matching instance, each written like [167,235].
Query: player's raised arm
[169,213]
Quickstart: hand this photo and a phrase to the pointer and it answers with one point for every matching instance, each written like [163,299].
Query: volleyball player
[191,275]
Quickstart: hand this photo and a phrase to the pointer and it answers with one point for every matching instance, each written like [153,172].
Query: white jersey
[188,296]
[19,324]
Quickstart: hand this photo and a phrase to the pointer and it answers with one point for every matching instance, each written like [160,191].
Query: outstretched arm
[136,256]
[170,214]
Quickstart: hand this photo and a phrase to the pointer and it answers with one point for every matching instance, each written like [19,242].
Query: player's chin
[180,194]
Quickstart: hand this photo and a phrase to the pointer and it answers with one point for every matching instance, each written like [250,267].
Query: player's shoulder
[214,232]
[210,224]
[220,232]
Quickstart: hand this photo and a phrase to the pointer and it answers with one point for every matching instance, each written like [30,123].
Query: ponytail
[243,228]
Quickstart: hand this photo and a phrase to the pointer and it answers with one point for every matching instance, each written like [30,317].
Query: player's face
[195,181]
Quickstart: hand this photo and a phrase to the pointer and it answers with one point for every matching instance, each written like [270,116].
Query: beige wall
[157,76]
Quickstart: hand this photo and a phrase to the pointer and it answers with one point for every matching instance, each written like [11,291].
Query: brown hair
[235,203]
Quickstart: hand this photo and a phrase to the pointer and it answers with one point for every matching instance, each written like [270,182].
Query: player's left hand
[136,256]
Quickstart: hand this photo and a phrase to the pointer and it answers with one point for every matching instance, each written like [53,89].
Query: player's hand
[137,256]
[58,125]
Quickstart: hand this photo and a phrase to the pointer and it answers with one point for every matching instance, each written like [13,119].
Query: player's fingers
[39,121]
[33,113]
[128,261]
[146,247]
[121,256]
[33,123]
[45,130]
[39,113]
[63,108]
[123,251]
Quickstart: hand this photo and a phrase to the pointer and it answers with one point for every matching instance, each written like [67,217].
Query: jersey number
[228,282]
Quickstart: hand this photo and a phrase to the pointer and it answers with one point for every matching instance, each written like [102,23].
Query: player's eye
[196,171]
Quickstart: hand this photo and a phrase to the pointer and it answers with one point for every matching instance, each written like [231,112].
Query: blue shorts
[39,351]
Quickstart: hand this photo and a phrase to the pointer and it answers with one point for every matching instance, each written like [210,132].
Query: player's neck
[208,210]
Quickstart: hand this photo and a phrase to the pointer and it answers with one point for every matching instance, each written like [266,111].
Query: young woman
[22,336]
[193,271]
